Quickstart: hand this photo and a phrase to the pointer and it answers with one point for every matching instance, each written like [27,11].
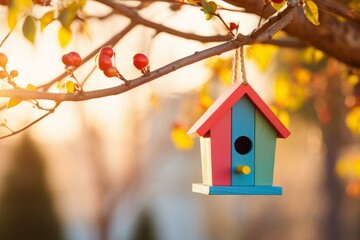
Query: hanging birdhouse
[238,139]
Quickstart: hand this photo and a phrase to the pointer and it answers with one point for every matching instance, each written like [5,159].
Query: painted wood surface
[265,141]
[282,131]
[205,146]
[236,190]
[235,92]
[221,106]
[242,125]
[221,151]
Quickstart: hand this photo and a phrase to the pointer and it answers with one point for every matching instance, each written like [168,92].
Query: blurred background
[121,167]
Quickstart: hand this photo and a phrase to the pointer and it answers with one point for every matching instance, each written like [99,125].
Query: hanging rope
[235,66]
[239,58]
[243,71]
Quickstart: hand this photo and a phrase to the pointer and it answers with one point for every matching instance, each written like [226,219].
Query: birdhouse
[238,139]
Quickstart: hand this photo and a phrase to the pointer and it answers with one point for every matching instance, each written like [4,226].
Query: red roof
[224,103]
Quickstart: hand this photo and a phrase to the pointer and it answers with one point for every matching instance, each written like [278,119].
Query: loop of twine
[239,57]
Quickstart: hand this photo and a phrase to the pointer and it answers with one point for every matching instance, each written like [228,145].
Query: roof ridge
[224,103]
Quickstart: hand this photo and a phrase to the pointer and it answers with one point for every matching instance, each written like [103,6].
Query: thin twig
[50,111]
[270,22]
[224,23]
[88,76]
[5,38]
[134,16]
[262,13]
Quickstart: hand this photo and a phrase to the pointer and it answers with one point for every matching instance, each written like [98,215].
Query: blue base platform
[236,190]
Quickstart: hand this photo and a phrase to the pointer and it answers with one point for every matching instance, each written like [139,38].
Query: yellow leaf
[217,63]
[353,79]
[341,168]
[60,85]
[282,90]
[302,75]
[180,139]
[22,4]
[205,100]
[70,86]
[12,17]
[282,115]
[46,19]
[299,93]
[348,166]
[29,29]
[68,15]
[81,3]
[31,87]
[13,102]
[313,59]
[288,94]
[64,36]
[208,16]
[353,120]
[222,67]
[262,55]
[193,2]
[311,12]
[278,6]
[226,75]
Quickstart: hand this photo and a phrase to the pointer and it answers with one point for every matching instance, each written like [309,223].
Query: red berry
[140,61]
[233,26]
[14,73]
[4,2]
[108,51]
[72,59]
[67,60]
[3,60]
[104,61]
[76,58]
[111,72]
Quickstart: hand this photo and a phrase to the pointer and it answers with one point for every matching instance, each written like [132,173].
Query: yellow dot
[246,170]
[243,169]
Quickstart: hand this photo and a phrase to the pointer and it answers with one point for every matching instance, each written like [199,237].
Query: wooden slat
[205,145]
[265,143]
[282,131]
[243,117]
[221,151]
[236,190]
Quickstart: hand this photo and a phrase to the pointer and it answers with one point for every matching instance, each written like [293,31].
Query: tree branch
[335,7]
[135,17]
[49,111]
[60,97]
[266,30]
[339,39]
[286,43]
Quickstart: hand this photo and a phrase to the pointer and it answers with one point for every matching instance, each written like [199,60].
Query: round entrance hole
[243,145]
